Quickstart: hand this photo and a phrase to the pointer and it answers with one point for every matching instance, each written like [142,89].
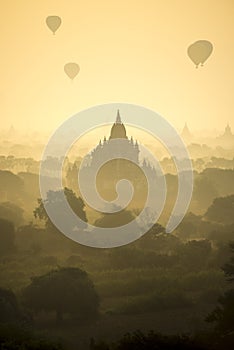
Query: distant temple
[118,168]
[226,140]
[186,134]
[118,131]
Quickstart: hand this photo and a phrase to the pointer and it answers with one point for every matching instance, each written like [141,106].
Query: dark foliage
[65,291]
[7,236]
[151,341]
[54,202]
[221,210]
[14,337]
[9,309]
[223,315]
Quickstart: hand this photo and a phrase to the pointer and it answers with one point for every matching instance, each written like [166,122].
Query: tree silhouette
[221,210]
[11,212]
[120,218]
[65,291]
[204,191]
[11,186]
[7,236]
[9,309]
[19,337]
[229,267]
[54,199]
[223,315]
[152,341]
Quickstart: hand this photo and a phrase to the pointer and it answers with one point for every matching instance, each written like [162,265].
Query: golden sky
[128,51]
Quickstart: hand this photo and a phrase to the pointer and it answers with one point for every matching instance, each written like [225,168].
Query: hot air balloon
[199,51]
[71,69]
[53,23]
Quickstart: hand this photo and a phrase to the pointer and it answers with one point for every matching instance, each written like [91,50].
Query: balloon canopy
[71,69]
[53,23]
[199,51]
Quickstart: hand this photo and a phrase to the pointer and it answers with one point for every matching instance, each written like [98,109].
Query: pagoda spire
[118,119]
[228,130]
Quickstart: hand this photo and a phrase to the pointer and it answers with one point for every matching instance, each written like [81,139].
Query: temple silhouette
[227,138]
[105,146]
[186,134]
[118,168]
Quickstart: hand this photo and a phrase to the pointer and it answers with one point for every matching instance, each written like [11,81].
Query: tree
[152,341]
[204,191]
[221,210]
[223,314]
[195,254]
[54,198]
[189,227]
[229,267]
[150,239]
[9,309]
[120,218]
[19,337]
[11,212]
[7,236]
[65,291]
[11,186]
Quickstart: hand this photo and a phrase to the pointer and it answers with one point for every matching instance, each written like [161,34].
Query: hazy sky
[128,51]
